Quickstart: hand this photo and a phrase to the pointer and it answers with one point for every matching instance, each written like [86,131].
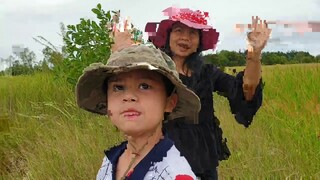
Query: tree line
[232,58]
[25,63]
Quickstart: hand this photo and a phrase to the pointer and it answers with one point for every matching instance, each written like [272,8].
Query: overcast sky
[21,20]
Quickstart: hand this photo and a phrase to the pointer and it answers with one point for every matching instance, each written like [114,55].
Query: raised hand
[258,37]
[121,40]
[125,35]
[120,31]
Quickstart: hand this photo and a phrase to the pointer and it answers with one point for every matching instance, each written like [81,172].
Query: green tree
[225,58]
[19,69]
[234,58]
[28,58]
[52,56]
[303,57]
[290,55]
[211,59]
[270,58]
[86,43]
[8,62]
[21,65]
[317,59]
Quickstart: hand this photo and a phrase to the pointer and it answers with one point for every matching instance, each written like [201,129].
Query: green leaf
[108,15]
[99,16]
[94,25]
[96,11]
[83,23]
[78,27]
[88,22]
[99,6]
[72,27]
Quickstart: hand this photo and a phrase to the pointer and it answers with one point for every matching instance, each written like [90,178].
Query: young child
[139,88]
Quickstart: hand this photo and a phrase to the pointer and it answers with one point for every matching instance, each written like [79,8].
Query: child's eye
[144,86]
[118,88]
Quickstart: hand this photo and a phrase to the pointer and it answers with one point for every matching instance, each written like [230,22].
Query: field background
[44,135]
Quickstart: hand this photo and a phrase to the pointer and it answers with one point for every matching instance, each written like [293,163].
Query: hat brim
[91,97]
[158,35]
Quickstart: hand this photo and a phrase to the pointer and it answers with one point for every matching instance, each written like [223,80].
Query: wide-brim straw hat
[193,19]
[91,96]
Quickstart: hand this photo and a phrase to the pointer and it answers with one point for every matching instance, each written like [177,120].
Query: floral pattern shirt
[162,162]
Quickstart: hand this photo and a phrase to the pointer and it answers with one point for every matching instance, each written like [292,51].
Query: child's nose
[129,100]
[129,96]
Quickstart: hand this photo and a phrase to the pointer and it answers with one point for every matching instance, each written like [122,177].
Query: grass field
[44,135]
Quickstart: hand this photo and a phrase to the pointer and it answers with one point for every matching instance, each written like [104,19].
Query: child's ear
[171,102]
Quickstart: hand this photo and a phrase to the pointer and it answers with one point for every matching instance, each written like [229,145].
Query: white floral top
[162,162]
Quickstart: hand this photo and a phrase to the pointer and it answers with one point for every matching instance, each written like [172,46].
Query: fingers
[122,25]
[114,29]
[255,23]
[261,24]
[255,20]
[125,24]
[265,23]
[258,23]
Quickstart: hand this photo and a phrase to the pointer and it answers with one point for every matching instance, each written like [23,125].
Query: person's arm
[257,40]
[232,88]
[242,108]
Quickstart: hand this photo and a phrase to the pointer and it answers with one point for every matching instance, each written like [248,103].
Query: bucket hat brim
[91,96]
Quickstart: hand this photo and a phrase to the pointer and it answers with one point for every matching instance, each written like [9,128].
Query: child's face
[137,101]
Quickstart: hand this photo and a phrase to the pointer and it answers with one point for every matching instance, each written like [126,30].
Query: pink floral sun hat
[194,19]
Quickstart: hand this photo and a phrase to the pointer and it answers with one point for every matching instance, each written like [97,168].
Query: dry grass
[44,135]
[283,141]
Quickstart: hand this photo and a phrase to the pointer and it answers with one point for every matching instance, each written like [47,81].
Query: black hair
[170,87]
[105,85]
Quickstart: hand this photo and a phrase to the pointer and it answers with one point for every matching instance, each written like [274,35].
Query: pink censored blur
[299,27]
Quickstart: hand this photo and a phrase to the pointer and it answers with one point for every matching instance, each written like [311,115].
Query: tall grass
[47,136]
[44,135]
[284,139]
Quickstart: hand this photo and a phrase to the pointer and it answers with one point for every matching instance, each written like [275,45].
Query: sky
[21,21]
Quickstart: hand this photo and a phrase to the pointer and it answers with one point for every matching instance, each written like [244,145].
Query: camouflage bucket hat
[89,89]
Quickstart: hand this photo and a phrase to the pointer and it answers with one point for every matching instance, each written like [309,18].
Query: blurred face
[137,101]
[183,40]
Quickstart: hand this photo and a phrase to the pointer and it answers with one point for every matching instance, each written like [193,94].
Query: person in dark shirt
[183,36]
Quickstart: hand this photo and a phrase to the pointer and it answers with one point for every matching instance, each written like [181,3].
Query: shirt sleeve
[231,87]
[105,171]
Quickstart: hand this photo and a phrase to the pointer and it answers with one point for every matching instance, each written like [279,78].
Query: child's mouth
[131,114]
